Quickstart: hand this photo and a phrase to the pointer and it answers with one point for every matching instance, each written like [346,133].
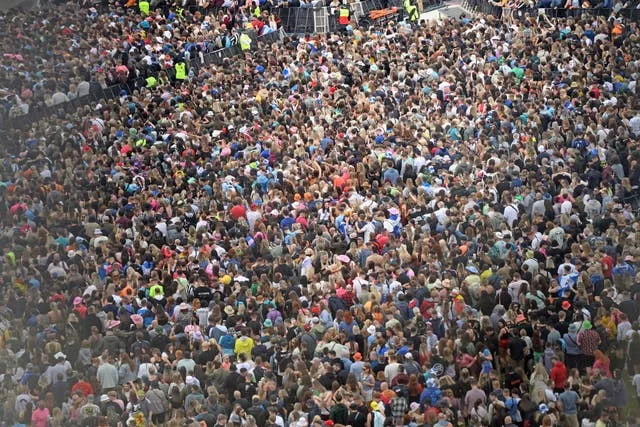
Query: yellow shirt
[156,290]
[244,345]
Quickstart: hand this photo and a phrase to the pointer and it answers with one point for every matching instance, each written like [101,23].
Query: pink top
[39,417]
[603,367]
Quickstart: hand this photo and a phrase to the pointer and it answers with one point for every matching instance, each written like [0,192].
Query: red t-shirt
[607,266]
[84,387]
[559,375]
[81,310]
[238,211]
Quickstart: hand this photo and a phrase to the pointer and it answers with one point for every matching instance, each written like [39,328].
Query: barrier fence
[487,8]
[98,94]
[304,20]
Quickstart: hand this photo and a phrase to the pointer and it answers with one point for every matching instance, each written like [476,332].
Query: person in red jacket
[82,386]
[558,374]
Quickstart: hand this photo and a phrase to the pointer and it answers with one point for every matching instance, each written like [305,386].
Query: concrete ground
[451,9]
[8,4]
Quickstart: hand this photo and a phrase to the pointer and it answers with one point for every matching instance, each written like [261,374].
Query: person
[588,341]
[40,415]
[558,374]
[473,396]
[573,354]
[61,367]
[339,412]
[636,383]
[568,401]
[602,364]
[107,375]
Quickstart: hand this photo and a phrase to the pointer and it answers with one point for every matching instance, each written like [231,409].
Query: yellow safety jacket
[181,71]
[245,42]
[144,7]
[344,16]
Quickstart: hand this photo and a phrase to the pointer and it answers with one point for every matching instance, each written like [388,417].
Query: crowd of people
[53,58]
[428,223]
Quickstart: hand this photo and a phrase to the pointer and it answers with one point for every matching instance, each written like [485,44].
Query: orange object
[380,13]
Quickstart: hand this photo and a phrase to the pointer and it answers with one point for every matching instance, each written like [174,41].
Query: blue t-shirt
[569,399]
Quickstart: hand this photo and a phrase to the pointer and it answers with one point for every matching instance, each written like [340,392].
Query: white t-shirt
[636,383]
[510,214]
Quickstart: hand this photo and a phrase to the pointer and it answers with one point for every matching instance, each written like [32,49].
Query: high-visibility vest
[179,11]
[257,12]
[156,290]
[344,16]
[144,7]
[151,81]
[181,71]
[412,11]
[245,42]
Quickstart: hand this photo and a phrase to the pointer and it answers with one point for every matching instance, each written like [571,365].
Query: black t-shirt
[160,341]
[260,350]
[516,347]
[357,418]
[285,270]
[207,356]
[259,413]
[327,380]
[255,326]
[512,380]
[630,308]
[262,269]
[379,367]
[562,327]
[293,332]
[111,406]
[492,343]
[203,293]
[208,418]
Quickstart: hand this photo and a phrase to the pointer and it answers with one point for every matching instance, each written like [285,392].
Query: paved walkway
[8,4]
[452,9]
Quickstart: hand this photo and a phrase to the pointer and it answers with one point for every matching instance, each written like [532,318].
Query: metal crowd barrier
[39,112]
[626,13]
[297,20]
[487,8]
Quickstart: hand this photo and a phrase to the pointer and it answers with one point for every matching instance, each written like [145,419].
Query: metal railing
[487,8]
[296,20]
[97,94]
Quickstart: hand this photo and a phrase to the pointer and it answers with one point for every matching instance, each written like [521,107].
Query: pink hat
[77,301]
[136,318]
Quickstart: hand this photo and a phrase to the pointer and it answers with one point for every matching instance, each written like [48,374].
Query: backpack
[283,361]
[157,238]
[158,402]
